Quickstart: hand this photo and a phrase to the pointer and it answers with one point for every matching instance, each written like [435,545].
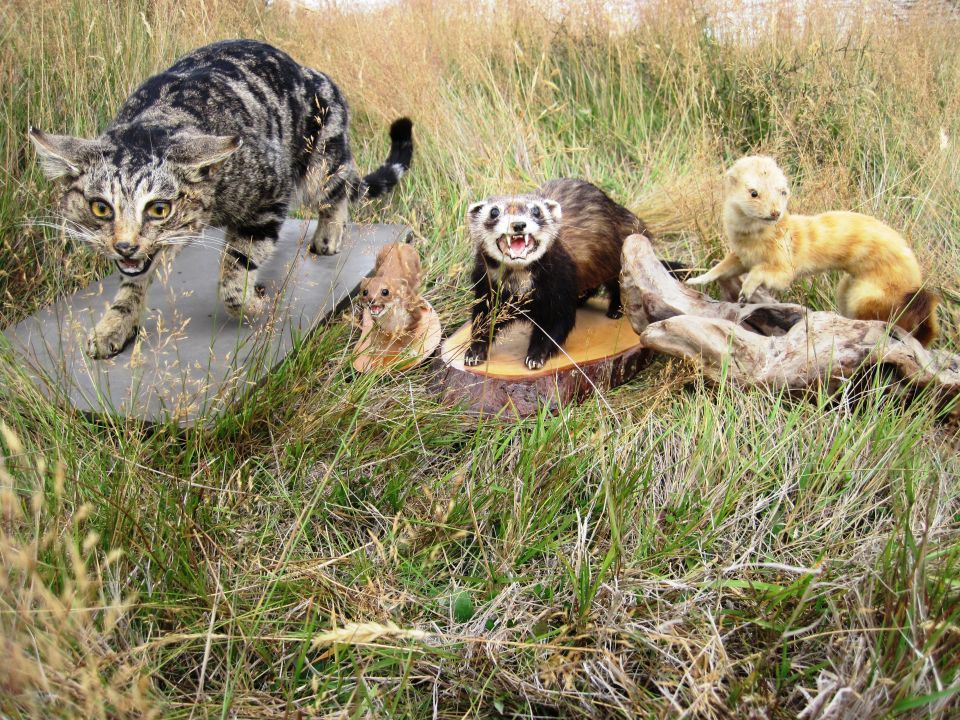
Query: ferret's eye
[101,209]
[754,194]
[158,210]
[536,212]
[384,292]
[494,213]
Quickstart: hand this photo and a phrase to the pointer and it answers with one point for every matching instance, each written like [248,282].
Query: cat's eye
[384,292]
[365,292]
[783,192]
[754,194]
[158,210]
[101,209]
[535,211]
[494,213]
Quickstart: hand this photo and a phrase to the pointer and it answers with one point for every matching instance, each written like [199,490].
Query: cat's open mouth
[132,267]
[516,247]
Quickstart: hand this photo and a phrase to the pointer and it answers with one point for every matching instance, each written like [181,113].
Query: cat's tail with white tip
[385,177]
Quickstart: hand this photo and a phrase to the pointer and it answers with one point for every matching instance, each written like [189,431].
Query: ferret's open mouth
[516,247]
[376,310]
[132,267]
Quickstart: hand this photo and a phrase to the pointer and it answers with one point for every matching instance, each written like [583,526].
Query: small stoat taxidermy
[774,248]
[390,295]
[538,256]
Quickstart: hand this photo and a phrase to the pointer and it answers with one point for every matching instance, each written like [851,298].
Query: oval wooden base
[401,355]
[599,354]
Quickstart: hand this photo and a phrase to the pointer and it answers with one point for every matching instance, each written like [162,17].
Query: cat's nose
[125,248]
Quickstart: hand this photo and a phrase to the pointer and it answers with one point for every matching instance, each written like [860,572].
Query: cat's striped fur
[230,135]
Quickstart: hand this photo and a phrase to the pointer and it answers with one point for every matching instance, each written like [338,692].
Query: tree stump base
[599,354]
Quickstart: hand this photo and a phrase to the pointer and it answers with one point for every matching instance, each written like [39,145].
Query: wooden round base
[401,355]
[599,354]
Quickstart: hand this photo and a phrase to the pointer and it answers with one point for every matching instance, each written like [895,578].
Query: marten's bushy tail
[385,177]
[918,314]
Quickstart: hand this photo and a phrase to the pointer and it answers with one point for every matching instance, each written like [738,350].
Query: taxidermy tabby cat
[230,135]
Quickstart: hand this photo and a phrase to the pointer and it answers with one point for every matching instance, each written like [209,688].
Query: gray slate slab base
[191,359]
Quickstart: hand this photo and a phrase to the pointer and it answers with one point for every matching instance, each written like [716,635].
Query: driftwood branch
[778,345]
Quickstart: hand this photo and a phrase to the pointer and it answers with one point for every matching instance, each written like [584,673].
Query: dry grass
[344,547]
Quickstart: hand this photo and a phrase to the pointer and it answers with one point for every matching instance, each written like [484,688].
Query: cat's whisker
[57,223]
[198,242]
[69,232]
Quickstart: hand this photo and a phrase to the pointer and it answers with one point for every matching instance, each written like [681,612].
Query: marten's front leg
[730,266]
[769,276]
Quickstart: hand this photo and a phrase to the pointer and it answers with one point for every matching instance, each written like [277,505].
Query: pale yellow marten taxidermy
[390,295]
[774,248]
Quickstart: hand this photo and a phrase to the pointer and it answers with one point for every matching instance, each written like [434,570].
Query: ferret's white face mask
[515,231]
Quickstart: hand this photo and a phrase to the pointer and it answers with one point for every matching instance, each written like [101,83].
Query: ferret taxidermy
[538,257]
[774,248]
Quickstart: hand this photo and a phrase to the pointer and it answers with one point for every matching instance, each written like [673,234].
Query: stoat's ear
[62,155]
[474,209]
[554,207]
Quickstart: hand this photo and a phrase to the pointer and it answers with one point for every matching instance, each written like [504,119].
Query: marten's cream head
[756,188]
[382,295]
[514,231]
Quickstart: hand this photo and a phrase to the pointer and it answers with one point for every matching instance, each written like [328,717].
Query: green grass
[675,548]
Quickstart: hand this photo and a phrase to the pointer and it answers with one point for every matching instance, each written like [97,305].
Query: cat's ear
[62,155]
[203,154]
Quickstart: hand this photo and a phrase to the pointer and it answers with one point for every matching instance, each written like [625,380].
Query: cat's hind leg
[244,253]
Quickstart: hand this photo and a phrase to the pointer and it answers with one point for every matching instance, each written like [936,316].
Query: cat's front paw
[109,338]
[327,241]
[698,280]
[476,354]
[615,313]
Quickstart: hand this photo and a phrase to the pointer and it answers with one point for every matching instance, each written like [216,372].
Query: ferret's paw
[535,362]
[476,354]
